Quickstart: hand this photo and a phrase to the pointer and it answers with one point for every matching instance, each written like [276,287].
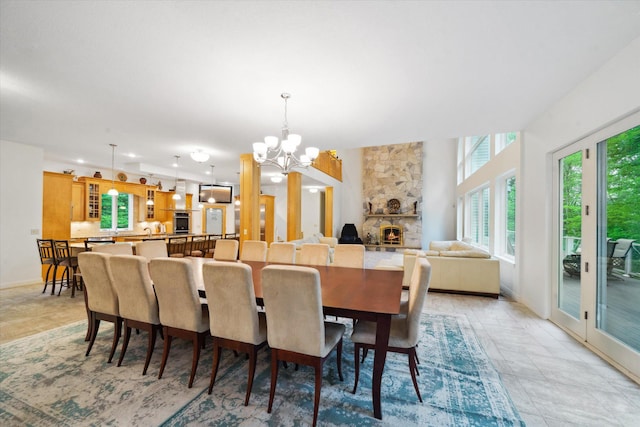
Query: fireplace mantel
[391,216]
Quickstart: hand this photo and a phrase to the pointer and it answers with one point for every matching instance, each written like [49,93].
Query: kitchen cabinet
[161,205]
[93,190]
[77,201]
[56,208]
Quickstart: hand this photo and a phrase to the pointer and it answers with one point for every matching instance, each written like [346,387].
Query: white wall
[20,213]
[604,97]
[439,191]
[351,205]
[310,215]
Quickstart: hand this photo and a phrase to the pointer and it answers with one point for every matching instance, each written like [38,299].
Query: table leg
[383,327]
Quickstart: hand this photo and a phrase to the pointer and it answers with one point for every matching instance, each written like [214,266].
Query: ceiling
[164,78]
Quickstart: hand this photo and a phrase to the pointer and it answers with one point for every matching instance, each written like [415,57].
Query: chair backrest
[131,279]
[313,254]
[282,253]
[233,313]
[63,253]
[98,279]
[116,249]
[253,250]
[178,246]
[176,289]
[348,256]
[293,304]
[622,248]
[418,288]
[152,249]
[199,245]
[231,236]
[47,251]
[226,250]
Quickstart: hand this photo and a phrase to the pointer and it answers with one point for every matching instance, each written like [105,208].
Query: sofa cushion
[471,253]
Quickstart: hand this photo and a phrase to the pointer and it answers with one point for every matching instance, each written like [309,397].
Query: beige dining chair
[235,322]
[296,330]
[179,305]
[226,250]
[151,249]
[136,300]
[101,296]
[405,330]
[253,250]
[282,253]
[348,255]
[313,254]
[114,249]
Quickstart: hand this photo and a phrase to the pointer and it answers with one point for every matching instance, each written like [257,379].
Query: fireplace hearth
[391,235]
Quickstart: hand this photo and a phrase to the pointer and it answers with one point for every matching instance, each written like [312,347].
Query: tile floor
[553,379]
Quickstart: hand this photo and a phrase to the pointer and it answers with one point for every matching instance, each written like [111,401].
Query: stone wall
[393,172]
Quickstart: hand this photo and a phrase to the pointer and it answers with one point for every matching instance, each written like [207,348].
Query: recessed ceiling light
[80,161]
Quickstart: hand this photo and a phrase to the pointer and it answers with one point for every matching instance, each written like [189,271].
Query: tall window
[117,212]
[510,216]
[479,216]
[479,152]
[505,139]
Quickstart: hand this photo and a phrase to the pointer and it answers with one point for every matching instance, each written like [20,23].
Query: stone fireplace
[392,195]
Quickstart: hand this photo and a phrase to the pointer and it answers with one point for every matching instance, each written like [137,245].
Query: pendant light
[211,198]
[113,191]
[150,201]
[176,196]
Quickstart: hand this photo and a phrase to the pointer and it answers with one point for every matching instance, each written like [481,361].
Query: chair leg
[216,361]
[198,341]
[53,280]
[74,283]
[165,351]
[117,331]
[150,347]
[413,369]
[125,342]
[365,352]
[356,359]
[64,273]
[316,398]
[89,317]
[46,278]
[274,377]
[252,371]
[95,325]
[339,359]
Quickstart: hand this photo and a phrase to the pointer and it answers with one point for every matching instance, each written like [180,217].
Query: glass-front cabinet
[93,202]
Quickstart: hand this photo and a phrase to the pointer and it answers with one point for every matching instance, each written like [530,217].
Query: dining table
[356,293]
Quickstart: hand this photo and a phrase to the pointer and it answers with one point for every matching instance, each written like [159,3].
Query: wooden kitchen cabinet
[93,189]
[56,205]
[77,201]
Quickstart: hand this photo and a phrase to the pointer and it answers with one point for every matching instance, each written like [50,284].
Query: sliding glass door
[597,232]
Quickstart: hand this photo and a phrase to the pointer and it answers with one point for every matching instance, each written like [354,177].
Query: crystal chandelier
[281,153]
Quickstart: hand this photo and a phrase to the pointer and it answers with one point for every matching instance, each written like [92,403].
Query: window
[479,152]
[504,139]
[479,216]
[510,216]
[117,212]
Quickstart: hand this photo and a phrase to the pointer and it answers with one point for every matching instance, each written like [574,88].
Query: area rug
[46,380]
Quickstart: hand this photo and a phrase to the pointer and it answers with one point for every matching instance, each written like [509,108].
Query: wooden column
[249,198]
[328,212]
[294,206]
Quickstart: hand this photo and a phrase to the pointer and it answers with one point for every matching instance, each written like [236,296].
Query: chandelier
[281,153]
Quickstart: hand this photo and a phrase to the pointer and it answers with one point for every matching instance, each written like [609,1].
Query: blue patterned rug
[46,380]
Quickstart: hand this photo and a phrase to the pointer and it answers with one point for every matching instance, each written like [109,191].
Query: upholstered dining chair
[226,250]
[115,249]
[404,334]
[235,322]
[101,296]
[282,253]
[253,250]
[136,300]
[296,330]
[313,254]
[347,255]
[152,249]
[179,306]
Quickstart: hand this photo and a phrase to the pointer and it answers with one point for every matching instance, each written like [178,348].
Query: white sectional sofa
[456,267]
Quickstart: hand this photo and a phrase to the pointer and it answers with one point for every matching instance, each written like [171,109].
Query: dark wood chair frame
[70,265]
[96,317]
[178,245]
[199,245]
[238,347]
[303,359]
[46,249]
[198,340]
[152,331]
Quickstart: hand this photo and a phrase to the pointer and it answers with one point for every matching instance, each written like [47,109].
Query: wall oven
[181,222]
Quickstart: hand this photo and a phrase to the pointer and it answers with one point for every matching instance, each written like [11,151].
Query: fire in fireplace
[391,235]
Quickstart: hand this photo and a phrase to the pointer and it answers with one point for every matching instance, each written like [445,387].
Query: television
[222,193]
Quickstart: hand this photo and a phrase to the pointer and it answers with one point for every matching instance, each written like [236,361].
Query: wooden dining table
[355,293]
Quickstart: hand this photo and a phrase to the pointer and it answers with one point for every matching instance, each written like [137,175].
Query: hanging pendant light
[176,196]
[211,198]
[150,201]
[113,191]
